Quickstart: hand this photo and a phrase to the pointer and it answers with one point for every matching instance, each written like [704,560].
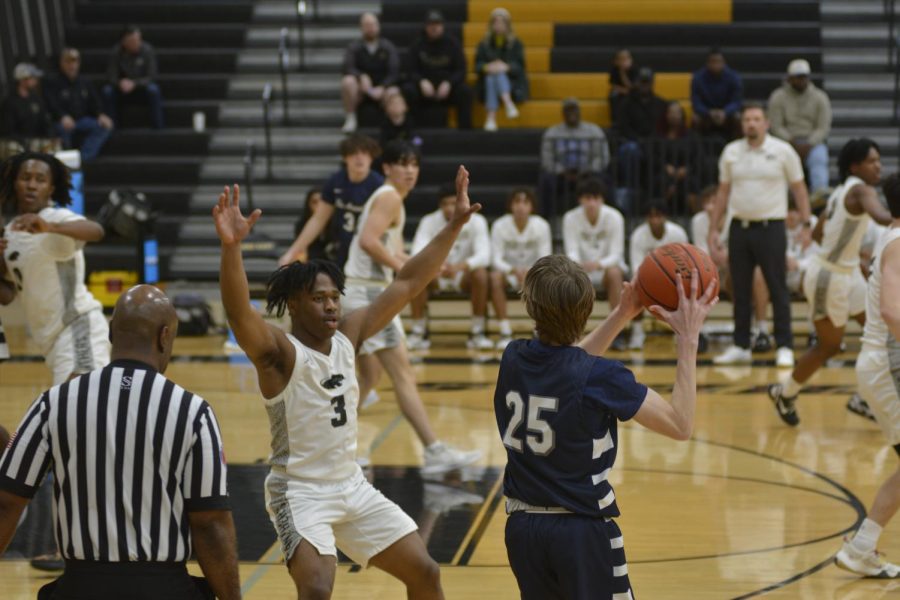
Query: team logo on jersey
[332,382]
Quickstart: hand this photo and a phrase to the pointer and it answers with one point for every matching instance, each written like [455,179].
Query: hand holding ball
[655,283]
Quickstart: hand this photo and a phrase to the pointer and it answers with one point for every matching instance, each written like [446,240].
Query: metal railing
[305,10]
[249,160]
[284,59]
[267,127]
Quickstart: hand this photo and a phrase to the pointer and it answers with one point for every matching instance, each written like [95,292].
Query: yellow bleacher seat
[531,34]
[544,113]
[556,86]
[606,11]
[537,60]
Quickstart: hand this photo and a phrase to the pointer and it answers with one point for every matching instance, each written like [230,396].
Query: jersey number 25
[540,439]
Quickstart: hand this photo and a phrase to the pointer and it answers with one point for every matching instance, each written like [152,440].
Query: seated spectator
[656,231]
[801,247]
[131,76]
[437,71]
[500,64]
[25,118]
[518,239]
[716,97]
[324,246]
[343,198]
[622,75]
[639,117]
[465,270]
[569,150]
[800,113]
[370,72]
[75,107]
[594,237]
[397,123]
[678,159]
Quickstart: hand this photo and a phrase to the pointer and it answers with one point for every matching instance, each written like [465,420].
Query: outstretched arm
[415,274]
[266,346]
[869,202]
[311,230]
[82,229]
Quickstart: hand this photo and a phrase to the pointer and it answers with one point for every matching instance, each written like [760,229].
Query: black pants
[87,580]
[460,97]
[762,244]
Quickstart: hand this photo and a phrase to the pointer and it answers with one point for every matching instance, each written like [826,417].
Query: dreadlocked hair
[298,277]
[9,172]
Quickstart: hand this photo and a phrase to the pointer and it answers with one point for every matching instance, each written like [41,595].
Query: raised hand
[231,226]
[630,302]
[688,318]
[464,209]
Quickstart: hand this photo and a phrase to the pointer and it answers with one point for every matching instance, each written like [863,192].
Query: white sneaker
[734,355]
[417,341]
[490,125]
[444,498]
[511,111]
[371,398]
[784,358]
[442,458]
[637,338]
[349,123]
[869,564]
[479,341]
[503,342]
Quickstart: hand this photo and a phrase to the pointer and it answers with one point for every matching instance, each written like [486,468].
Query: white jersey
[313,420]
[643,243]
[843,233]
[602,242]
[876,332]
[360,264]
[48,270]
[700,230]
[472,246]
[513,249]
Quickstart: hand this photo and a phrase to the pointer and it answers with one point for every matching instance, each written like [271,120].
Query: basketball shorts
[358,296]
[348,514]
[80,348]
[795,281]
[833,294]
[876,372]
[566,556]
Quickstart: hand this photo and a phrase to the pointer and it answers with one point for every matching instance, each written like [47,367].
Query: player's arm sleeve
[27,458]
[617,243]
[205,484]
[498,261]
[481,259]
[612,387]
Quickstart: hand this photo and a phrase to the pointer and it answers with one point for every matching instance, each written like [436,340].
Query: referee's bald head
[144,326]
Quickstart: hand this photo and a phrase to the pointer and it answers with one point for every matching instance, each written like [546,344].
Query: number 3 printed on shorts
[541,440]
[341,418]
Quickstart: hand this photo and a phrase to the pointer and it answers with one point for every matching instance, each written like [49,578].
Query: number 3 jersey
[313,420]
[556,408]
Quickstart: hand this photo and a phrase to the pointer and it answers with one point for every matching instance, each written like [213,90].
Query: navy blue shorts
[567,557]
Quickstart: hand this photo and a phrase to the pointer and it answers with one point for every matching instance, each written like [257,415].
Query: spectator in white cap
[23,114]
[800,113]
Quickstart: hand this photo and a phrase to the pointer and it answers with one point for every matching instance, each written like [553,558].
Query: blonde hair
[500,13]
[559,297]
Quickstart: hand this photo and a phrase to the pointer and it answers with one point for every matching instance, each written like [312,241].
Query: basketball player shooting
[316,494]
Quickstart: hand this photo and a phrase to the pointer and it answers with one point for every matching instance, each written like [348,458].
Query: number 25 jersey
[556,409]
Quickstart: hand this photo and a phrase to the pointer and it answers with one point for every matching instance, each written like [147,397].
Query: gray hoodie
[805,116]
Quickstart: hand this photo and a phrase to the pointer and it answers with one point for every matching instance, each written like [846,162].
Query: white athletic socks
[419,326]
[505,328]
[478,324]
[866,538]
[790,388]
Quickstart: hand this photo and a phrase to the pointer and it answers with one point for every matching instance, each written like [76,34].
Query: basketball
[656,276]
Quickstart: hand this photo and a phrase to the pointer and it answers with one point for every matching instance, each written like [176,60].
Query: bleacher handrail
[267,127]
[893,49]
[284,59]
[249,160]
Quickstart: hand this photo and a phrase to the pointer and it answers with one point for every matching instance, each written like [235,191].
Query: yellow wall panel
[531,34]
[607,11]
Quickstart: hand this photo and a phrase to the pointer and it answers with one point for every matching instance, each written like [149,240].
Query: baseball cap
[434,16]
[645,74]
[26,71]
[798,67]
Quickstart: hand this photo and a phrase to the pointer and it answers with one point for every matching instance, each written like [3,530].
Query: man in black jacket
[437,71]
[132,74]
[24,116]
[639,115]
[75,107]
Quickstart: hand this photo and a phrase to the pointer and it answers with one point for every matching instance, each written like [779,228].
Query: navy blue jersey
[556,408]
[348,199]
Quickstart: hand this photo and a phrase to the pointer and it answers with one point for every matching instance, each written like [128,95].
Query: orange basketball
[655,282]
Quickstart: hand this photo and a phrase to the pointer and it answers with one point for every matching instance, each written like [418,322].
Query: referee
[139,472]
[755,173]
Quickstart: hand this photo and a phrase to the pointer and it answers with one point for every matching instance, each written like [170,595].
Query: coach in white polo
[755,173]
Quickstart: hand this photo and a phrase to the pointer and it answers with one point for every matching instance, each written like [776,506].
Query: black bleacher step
[404,11]
[129,171]
[118,255]
[160,35]
[178,113]
[170,200]
[172,60]
[596,59]
[183,87]
[404,34]
[157,142]
[775,10]
[734,34]
[162,11]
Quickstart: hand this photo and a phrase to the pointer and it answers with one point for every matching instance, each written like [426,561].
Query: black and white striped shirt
[131,454]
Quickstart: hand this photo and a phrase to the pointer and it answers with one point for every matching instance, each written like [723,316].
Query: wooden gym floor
[748,507]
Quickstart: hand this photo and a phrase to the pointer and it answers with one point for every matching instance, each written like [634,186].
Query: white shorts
[80,348]
[835,295]
[349,514]
[359,296]
[875,368]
